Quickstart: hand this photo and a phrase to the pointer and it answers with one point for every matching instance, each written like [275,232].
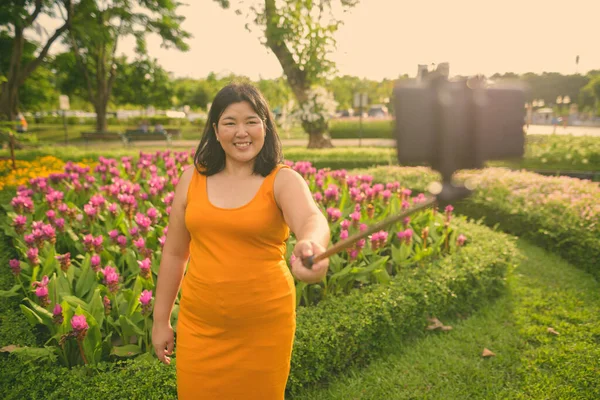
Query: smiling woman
[239,122]
[231,217]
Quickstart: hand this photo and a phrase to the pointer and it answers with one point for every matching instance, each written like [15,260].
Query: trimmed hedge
[371,129]
[331,336]
[343,157]
[559,214]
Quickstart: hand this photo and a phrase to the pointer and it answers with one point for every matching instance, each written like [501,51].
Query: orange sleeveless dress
[237,315]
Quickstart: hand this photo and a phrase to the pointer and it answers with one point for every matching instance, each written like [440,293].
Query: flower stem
[81,352]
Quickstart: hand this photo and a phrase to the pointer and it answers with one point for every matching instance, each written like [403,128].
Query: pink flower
[405,236]
[57,315]
[333,214]
[15,266]
[145,268]
[57,310]
[461,239]
[122,241]
[60,223]
[139,243]
[143,222]
[112,208]
[97,200]
[152,213]
[113,235]
[386,195]
[49,233]
[95,262]
[19,223]
[88,242]
[145,301]
[98,243]
[332,193]
[111,278]
[29,239]
[378,239]
[162,240]
[32,255]
[448,211]
[64,260]
[343,234]
[355,217]
[80,326]
[90,210]
[345,224]
[41,291]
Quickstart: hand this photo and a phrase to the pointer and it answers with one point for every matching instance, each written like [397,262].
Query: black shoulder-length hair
[210,156]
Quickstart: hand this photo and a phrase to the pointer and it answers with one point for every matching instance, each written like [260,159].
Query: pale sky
[386,38]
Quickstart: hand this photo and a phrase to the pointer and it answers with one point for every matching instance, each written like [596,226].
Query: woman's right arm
[172,266]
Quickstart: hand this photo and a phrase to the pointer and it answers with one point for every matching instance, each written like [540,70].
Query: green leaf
[97,307]
[76,302]
[50,264]
[32,317]
[14,291]
[37,354]
[87,279]
[128,350]
[129,327]
[43,316]
[62,284]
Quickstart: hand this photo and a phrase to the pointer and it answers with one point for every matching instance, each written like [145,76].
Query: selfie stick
[448,193]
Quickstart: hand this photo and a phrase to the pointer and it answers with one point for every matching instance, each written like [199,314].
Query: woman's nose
[241,130]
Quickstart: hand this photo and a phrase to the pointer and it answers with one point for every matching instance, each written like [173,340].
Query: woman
[230,216]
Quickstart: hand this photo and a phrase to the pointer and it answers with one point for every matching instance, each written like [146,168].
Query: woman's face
[241,132]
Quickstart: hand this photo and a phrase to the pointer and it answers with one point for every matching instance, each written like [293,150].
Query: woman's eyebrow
[248,117]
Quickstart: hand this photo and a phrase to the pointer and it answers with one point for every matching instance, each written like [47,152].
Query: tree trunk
[9,98]
[10,89]
[318,140]
[101,121]
[295,76]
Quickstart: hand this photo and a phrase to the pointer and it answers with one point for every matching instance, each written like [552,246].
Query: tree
[38,91]
[300,34]
[16,18]
[144,83]
[592,91]
[95,34]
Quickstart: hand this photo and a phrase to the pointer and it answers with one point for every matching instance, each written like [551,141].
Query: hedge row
[351,129]
[330,336]
[559,214]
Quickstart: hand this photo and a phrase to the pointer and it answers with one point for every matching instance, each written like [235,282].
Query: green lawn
[530,363]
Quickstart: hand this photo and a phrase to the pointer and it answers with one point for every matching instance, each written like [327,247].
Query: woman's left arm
[308,223]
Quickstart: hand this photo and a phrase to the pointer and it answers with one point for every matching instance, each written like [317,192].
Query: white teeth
[242,144]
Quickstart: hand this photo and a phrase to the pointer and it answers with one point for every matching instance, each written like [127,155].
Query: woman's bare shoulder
[184,182]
